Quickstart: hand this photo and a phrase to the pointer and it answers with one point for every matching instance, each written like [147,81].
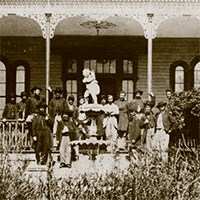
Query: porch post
[150,48]
[48,16]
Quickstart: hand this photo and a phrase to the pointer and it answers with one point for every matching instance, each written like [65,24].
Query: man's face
[137,95]
[168,94]
[81,101]
[122,96]
[110,99]
[70,101]
[58,94]
[162,108]
[147,109]
[37,91]
[103,101]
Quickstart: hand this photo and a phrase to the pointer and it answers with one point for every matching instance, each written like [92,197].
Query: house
[148,44]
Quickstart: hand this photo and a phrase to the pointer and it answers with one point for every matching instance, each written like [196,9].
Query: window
[197,75]
[127,86]
[2,87]
[101,66]
[127,67]
[179,79]
[71,86]
[20,81]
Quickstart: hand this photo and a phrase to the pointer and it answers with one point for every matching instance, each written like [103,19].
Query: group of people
[122,123]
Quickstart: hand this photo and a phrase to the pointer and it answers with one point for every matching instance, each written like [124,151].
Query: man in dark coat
[10,109]
[122,119]
[22,105]
[31,106]
[57,106]
[41,134]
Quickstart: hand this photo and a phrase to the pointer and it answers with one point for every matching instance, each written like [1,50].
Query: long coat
[123,115]
[10,111]
[41,129]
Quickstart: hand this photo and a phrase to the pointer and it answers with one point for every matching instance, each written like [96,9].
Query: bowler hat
[168,90]
[58,90]
[138,91]
[160,104]
[103,96]
[35,88]
[12,95]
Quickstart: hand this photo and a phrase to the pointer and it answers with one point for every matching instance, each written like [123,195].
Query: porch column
[48,16]
[150,48]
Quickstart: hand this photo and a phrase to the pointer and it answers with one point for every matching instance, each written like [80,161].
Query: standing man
[110,122]
[41,133]
[168,94]
[21,106]
[31,107]
[57,106]
[136,108]
[165,124]
[10,109]
[123,120]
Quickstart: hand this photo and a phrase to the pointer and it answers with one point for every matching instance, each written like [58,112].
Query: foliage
[179,179]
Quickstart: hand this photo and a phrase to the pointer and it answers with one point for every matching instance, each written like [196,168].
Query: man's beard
[42,112]
[37,96]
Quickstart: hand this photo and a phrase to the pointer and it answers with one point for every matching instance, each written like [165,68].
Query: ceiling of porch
[177,27]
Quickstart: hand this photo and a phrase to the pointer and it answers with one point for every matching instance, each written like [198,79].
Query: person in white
[110,122]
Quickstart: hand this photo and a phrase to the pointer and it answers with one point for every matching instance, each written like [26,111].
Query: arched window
[179,79]
[20,80]
[197,75]
[2,87]
[179,76]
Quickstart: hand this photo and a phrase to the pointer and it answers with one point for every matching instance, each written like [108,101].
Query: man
[147,123]
[31,106]
[22,105]
[57,106]
[168,94]
[165,124]
[41,134]
[123,119]
[10,109]
[136,108]
[68,130]
[110,122]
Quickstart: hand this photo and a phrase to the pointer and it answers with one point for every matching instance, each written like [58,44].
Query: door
[107,86]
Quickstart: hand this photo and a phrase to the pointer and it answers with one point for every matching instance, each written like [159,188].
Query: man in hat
[147,124]
[31,106]
[136,110]
[41,134]
[122,120]
[10,109]
[165,124]
[57,106]
[22,105]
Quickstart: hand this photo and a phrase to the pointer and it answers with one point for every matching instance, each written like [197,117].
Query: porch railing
[14,136]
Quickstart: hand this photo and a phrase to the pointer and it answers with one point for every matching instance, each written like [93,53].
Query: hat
[160,104]
[42,105]
[81,97]
[168,90]
[71,97]
[148,102]
[35,88]
[122,92]
[58,90]
[103,96]
[23,94]
[138,91]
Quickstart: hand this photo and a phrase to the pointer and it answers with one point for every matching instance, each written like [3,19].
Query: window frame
[193,63]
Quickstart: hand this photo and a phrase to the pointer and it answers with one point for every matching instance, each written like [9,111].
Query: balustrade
[14,136]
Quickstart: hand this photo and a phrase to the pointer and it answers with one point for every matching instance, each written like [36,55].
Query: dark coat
[169,122]
[31,105]
[57,106]
[10,111]
[123,118]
